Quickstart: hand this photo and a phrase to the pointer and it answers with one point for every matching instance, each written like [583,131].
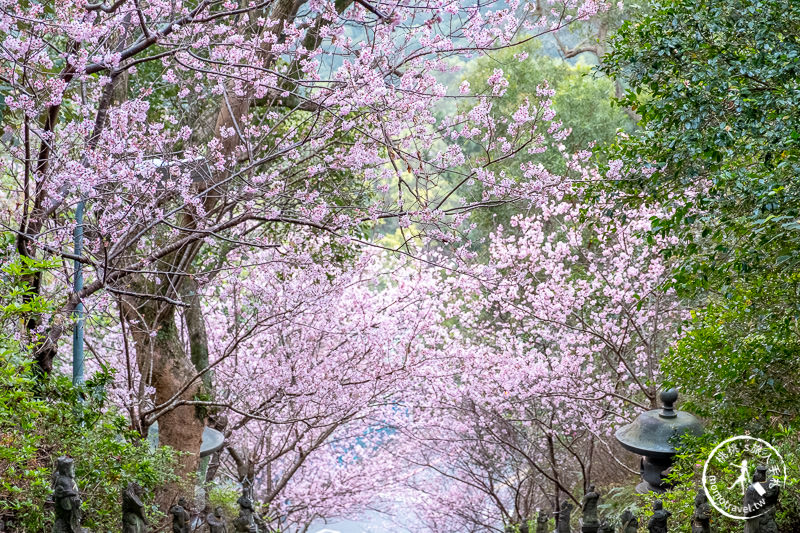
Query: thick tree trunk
[164,365]
[196,327]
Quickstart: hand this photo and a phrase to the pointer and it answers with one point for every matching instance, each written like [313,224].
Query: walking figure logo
[738,475]
[744,477]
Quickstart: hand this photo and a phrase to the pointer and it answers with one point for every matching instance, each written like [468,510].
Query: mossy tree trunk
[164,364]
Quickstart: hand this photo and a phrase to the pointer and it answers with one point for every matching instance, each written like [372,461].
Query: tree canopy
[417,259]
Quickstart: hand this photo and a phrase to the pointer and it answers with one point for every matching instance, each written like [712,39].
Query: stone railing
[761,496]
[66,501]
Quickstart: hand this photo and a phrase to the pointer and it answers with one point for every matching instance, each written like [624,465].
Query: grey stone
[701,519]
[181,519]
[564,517]
[541,522]
[66,499]
[630,523]
[760,503]
[216,522]
[591,522]
[245,522]
[133,510]
[652,435]
[658,522]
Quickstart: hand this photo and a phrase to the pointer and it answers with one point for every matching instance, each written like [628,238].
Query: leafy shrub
[739,363]
[225,496]
[686,476]
[40,421]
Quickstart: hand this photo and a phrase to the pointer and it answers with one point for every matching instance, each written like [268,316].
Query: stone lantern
[652,435]
[212,440]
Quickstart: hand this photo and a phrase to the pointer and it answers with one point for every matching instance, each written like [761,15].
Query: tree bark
[165,365]
[196,327]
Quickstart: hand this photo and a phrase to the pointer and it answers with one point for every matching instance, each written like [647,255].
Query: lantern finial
[668,399]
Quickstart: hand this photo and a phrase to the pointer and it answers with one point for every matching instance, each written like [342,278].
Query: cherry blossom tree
[328,378]
[311,363]
[562,334]
[178,137]
[227,161]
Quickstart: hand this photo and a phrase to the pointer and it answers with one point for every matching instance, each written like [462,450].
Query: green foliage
[737,367]
[16,297]
[42,421]
[225,496]
[617,500]
[686,476]
[526,526]
[716,85]
[582,102]
[739,361]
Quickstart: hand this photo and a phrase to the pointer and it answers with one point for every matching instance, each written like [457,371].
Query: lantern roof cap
[653,432]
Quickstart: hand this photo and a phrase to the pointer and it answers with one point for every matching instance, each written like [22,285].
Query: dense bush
[737,366]
[715,85]
[41,421]
[44,418]
[686,475]
[738,363]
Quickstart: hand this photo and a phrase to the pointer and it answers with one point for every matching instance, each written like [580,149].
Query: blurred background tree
[582,101]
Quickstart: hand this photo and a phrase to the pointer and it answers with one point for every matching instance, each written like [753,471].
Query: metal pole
[77,332]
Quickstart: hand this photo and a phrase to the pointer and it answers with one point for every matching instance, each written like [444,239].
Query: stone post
[591,522]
